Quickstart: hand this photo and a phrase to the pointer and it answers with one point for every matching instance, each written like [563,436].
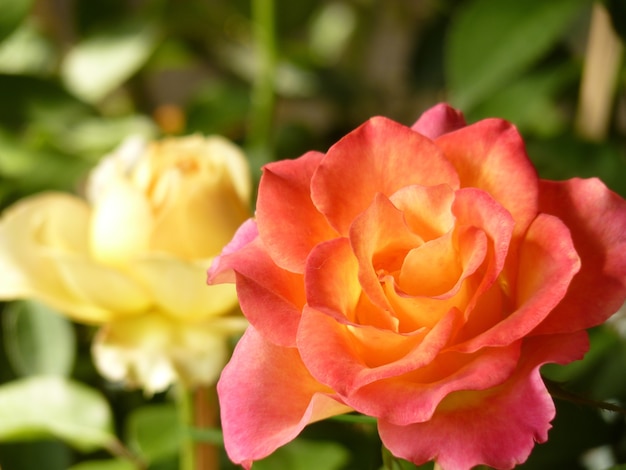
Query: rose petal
[331,280]
[266,402]
[418,376]
[102,286]
[497,427]
[33,233]
[133,349]
[490,155]
[438,268]
[411,389]
[121,224]
[289,223]
[221,269]
[343,357]
[178,287]
[427,210]
[388,156]
[220,151]
[547,264]
[270,297]
[154,350]
[380,238]
[199,213]
[476,208]
[439,120]
[596,218]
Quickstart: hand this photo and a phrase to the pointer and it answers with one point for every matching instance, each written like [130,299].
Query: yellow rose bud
[133,255]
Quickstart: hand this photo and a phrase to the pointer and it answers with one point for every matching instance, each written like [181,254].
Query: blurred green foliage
[77,76]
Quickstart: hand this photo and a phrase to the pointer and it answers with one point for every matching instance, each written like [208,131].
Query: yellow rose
[132,257]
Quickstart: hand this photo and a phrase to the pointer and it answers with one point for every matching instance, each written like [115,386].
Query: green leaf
[117,464]
[153,432]
[491,41]
[306,455]
[27,51]
[354,418]
[101,63]
[40,407]
[13,13]
[38,340]
[391,462]
[530,101]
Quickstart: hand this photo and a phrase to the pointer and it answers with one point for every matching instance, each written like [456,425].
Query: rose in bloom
[420,276]
[132,257]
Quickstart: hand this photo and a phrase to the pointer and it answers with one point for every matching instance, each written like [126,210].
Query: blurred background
[280,78]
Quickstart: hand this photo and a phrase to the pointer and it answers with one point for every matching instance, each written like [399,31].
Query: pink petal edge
[438,120]
[267,401]
[497,428]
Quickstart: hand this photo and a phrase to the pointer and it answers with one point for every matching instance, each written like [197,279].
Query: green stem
[260,124]
[184,404]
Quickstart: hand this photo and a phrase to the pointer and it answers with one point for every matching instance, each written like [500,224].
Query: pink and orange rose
[420,276]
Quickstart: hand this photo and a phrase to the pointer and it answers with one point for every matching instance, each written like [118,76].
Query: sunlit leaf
[38,340]
[491,41]
[92,137]
[99,64]
[116,464]
[153,431]
[26,51]
[48,406]
[306,455]
[13,13]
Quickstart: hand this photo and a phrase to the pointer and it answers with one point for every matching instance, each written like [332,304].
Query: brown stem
[206,416]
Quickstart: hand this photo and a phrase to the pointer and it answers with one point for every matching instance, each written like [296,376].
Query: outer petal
[33,234]
[289,223]
[596,218]
[439,120]
[153,350]
[266,402]
[388,156]
[221,269]
[271,298]
[101,286]
[496,427]
[490,155]
[178,288]
[414,396]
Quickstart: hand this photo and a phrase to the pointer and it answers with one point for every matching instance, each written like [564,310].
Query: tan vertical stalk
[602,61]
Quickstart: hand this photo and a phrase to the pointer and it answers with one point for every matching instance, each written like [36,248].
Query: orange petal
[289,223]
[490,155]
[388,155]
[547,264]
